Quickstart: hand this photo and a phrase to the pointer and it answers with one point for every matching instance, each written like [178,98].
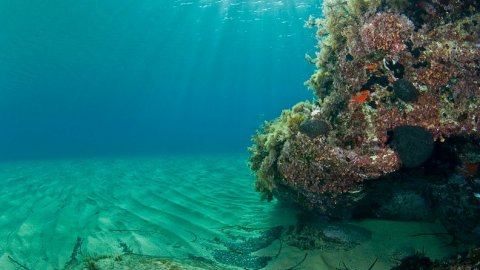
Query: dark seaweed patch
[380,80]
[421,64]
[238,250]
[255,243]
[417,51]
[397,68]
[77,250]
[416,261]
[241,260]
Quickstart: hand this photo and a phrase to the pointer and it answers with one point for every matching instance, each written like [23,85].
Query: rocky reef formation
[462,261]
[394,129]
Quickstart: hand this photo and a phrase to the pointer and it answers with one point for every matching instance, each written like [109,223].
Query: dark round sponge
[314,127]
[413,144]
[405,90]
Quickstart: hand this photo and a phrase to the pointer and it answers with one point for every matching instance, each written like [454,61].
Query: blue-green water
[124,127]
[109,77]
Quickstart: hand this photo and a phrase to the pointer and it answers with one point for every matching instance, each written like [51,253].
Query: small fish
[370,66]
[361,97]
[477,195]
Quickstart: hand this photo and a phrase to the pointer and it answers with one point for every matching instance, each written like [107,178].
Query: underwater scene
[234,134]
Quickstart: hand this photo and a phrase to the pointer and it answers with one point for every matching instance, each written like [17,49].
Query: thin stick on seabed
[17,263]
[373,264]
[298,264]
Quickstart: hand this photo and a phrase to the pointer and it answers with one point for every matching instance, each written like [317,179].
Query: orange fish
[361,97]
[370,66]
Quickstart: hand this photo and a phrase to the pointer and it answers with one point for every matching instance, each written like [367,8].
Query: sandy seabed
[56,213]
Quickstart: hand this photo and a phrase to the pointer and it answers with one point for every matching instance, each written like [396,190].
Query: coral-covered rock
[460,261]
[395,82]
[386,32]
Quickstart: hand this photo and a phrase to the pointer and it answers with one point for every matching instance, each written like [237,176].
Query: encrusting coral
[387,71]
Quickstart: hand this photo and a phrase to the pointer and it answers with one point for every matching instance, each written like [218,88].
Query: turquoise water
[133,77]
[124,127]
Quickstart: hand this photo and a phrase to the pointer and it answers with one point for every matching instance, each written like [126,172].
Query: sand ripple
[158,206]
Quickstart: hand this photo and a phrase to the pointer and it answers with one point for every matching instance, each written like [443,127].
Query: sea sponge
[314,127]
[413,144]
[405,90]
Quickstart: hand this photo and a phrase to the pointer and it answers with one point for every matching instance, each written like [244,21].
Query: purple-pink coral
[386,32]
